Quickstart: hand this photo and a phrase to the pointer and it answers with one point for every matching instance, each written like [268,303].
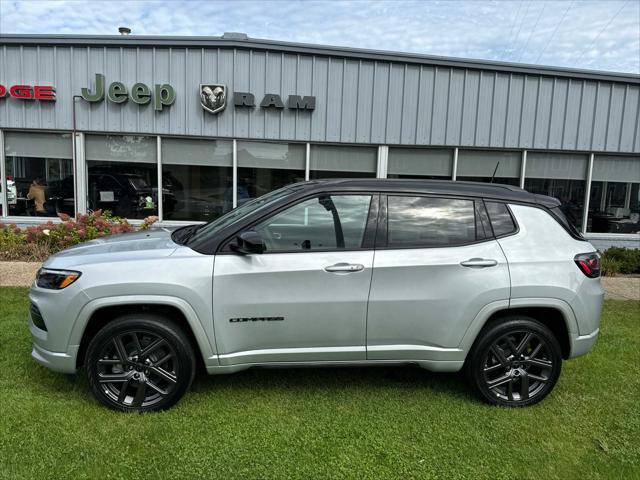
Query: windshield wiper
[182,235]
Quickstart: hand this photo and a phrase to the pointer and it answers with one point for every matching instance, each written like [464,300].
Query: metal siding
[334,96]
[380,103]
[558,111]
[585,120]
[485,104]
[410,105]
[629,130]
[470,107]
[349,102]
[425,105]
[601,117]
[357,101]
[499,110]
[394,113]
[454,108]
[543,113]
[514,111]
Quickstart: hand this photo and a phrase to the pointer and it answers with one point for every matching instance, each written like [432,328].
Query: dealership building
[186,128]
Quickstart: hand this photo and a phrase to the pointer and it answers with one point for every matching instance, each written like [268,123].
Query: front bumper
[56,361]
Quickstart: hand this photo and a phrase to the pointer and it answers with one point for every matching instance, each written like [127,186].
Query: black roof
[496,191]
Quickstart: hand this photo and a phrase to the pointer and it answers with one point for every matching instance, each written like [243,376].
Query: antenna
[494,172]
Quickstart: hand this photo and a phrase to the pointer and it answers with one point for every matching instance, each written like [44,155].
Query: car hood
[127,247]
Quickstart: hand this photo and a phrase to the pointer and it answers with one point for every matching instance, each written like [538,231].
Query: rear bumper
[581,344]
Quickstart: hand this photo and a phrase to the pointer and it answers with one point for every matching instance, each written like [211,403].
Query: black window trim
[383,223]
[368,238]
[513,218]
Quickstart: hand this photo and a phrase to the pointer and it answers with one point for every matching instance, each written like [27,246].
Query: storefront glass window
[562,176]
[480,165]
[614,203]
[334,161]
[264,167]
[122,175]
[39,170]
[427,163]
[197,177]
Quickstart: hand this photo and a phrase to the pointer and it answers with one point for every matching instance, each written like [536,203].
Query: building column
[234,182]
[587,195]
[307,162]
[383,160]
[80,175]
[159,163]
[523,168]
[454,168]
[3,179]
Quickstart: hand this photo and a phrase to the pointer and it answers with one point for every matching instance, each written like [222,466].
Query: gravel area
[21,274]
[18,274]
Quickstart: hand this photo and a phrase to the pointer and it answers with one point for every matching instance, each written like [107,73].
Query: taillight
[589,263]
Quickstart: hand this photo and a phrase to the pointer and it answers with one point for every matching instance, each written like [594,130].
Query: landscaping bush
[627,260]
[35,243]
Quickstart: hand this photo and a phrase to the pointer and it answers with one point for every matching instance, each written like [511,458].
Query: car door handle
[479,263]
[344,268]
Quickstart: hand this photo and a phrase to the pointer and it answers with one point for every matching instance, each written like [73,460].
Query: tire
[514,362]
[148,358]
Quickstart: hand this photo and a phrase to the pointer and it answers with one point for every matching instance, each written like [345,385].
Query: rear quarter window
[501,220]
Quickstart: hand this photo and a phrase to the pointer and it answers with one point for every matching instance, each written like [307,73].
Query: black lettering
[301,103]
[244,99]
[272,100]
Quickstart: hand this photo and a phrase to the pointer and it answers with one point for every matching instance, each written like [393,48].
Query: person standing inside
[36,193]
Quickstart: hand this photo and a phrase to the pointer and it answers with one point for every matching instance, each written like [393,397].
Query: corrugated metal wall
[357,101]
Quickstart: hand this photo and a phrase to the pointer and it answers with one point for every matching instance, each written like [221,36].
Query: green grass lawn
[344,423]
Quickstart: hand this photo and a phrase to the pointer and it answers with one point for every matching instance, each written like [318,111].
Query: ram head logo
[213,97]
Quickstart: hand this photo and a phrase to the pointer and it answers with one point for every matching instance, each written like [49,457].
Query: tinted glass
[501,219]
[430,222]
[320,223]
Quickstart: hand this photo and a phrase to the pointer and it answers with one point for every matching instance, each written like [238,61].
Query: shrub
[609,267]
[38,242]
[627,259]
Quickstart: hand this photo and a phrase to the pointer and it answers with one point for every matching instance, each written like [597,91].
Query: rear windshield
[561,217]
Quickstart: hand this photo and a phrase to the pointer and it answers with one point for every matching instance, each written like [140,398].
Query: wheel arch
[555,314]
[99,313]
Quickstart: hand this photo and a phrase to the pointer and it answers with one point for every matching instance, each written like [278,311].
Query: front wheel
[515,362]
[140,362]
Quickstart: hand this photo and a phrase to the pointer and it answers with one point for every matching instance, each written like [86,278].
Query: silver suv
[444,275]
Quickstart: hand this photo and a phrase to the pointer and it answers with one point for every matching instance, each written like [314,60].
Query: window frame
[382,238]
[368,238]
[513,218]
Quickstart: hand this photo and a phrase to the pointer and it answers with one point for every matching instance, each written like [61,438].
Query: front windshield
[237,213]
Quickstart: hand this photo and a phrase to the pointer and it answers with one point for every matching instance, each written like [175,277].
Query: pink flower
[64,217]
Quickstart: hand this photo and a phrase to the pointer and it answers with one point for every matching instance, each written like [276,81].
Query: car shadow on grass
[341,380]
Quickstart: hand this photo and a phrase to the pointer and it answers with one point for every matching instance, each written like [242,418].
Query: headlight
[56,279]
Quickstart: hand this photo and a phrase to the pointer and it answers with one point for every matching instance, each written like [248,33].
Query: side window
[326,222]
[501,219]
[430,222]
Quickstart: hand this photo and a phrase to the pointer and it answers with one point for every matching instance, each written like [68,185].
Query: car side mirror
[248,242]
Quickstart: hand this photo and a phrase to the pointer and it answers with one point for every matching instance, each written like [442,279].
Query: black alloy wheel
[140,363]
[515,362]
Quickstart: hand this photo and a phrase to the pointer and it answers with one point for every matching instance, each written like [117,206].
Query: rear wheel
[140,362]
[515,362]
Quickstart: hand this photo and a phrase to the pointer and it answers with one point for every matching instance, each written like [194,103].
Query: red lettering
[3,90]
[21,91]
[44,92]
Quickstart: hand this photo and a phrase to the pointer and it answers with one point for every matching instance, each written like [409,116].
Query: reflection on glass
[320,223]
[569,192]
[198,175]
[264,167]
[614,207]
[122,176]
[334,161]
[489,166]
[562,176]
[422,163]
[430,222]
[39,172]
